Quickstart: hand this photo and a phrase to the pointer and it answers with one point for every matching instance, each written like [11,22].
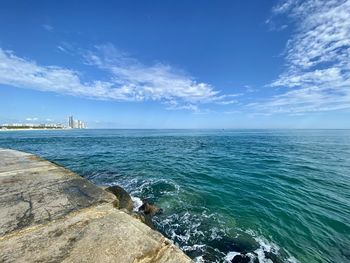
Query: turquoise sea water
[280,195]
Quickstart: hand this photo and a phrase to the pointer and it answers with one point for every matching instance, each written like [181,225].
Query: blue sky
[176,64]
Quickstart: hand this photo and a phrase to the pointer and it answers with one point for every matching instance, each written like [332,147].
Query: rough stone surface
[124,199]
[146,219]
[49,214]
[149,209]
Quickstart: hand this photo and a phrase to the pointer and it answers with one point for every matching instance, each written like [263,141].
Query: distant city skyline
[176,64]
[75,123]
[71,123]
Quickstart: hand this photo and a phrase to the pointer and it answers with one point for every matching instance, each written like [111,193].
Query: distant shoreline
[36,129]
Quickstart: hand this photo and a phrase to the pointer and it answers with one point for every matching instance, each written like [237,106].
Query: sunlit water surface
[260,192]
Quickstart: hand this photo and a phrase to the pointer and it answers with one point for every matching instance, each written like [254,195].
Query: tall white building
[75,124]
[70,122]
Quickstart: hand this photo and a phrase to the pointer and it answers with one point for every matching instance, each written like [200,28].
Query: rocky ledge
[50,214]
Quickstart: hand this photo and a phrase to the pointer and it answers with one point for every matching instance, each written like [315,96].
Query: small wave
[137,203]
[231,255]
[267,252]
[199,259]
[150,188]
[205,237]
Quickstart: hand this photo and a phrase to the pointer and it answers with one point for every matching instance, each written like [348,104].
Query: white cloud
[317,75]
[32,119]
[174,105]
[329,77]
[129,80]
[47,27]
[18,72]
[156,82]
[66,47]
[250,89]
[227,102]
[60,48]
[283,7]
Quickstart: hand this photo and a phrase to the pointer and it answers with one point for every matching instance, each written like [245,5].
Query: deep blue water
[263,192]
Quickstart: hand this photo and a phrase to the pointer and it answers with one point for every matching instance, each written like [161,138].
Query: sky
[176,64]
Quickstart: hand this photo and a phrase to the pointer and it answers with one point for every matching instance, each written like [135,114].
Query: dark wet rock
[243,243]
[145,213]
[194,252]
[124,199]
[241,258]
[149,209]
[210,255]
[273,257]
[146,219]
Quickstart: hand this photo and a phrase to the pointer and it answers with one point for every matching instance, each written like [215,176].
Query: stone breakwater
[50,214]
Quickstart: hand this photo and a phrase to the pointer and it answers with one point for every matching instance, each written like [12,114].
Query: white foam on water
[137,203]
[192,227]
[174,223]
[199,259]
[230,256]
[215,233]
[192,248]
[265,246]
[292,259]
[259,253]
[137,186]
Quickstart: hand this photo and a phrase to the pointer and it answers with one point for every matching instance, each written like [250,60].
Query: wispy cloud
[32,119]
[127,80]
[317,75]
[154,82]
[47,27]
[60,48]
[23,73]
[174,105]
[65,47]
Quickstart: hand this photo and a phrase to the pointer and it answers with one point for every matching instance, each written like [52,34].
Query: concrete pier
[50,214]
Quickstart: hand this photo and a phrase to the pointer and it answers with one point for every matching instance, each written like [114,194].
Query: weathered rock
[240,259]
[149,209]
[243,243]
[49,214]
[34,191]
[146,219]
[273,257]
[124,199]
[97,234]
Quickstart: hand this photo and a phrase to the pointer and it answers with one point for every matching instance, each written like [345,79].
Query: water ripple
[271,195]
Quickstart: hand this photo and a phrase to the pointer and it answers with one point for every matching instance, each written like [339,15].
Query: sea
[226,195]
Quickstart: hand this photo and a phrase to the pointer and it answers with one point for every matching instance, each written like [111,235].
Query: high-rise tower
[71,122]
